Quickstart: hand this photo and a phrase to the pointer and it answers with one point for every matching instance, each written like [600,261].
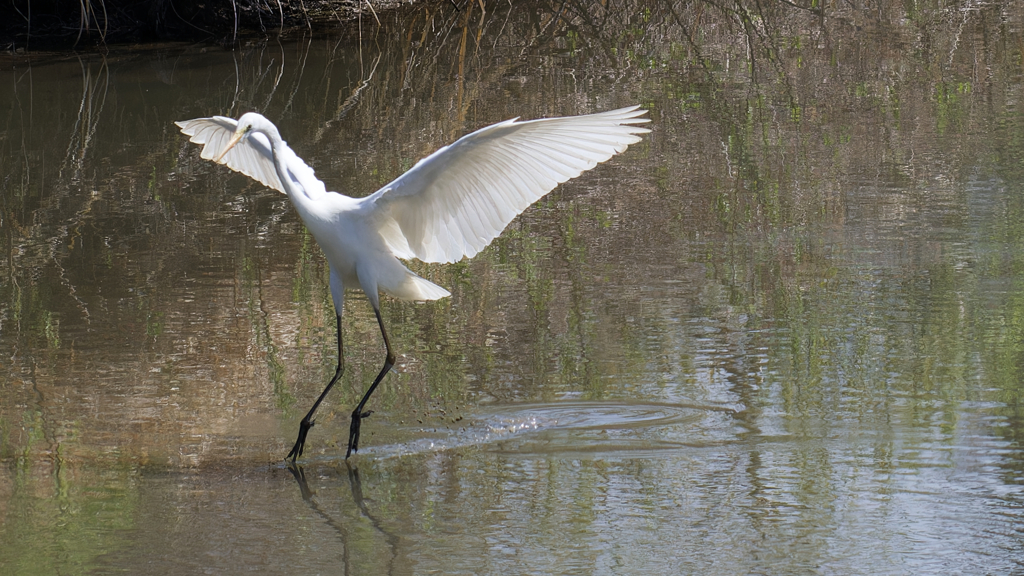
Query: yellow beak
[231,144]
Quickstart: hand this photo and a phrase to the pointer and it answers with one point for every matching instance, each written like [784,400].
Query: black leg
[358,414]
[308,421]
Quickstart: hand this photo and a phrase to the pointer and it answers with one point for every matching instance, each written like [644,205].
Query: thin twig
[373,12]
[103,35]
[304,13]
[82,21]
[28,23]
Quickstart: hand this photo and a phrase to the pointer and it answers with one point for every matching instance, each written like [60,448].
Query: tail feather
[416,288]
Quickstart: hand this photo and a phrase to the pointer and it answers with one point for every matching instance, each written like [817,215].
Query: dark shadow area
[58,25]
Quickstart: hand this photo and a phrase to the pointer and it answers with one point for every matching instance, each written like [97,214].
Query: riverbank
[56,24]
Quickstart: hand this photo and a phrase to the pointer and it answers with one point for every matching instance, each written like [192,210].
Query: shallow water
[782,334]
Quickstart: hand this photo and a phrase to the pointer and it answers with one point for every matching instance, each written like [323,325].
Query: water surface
[782,334]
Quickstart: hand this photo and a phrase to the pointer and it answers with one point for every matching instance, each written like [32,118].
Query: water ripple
[585,427]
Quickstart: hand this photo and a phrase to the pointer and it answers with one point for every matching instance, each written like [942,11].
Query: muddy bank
[59,24]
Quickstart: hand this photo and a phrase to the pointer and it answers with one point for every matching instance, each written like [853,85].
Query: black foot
[353,431]
[300,443]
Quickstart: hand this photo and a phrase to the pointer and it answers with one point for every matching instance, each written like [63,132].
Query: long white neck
[276,148]
[306,192]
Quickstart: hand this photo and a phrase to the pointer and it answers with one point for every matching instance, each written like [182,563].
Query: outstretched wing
[455,201]
[252,156]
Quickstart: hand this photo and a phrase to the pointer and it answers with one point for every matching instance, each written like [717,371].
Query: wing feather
[252,156]
[453,203]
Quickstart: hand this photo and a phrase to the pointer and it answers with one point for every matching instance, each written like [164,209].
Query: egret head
[247,124]
[242,131]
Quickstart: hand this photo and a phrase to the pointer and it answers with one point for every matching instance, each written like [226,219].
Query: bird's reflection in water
[346,525]
[300,477]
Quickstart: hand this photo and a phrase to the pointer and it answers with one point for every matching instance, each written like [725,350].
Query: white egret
[449,206]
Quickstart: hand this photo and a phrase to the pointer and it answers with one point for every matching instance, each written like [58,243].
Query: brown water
[783,334]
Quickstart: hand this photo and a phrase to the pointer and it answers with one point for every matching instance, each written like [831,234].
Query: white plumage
[449,206]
